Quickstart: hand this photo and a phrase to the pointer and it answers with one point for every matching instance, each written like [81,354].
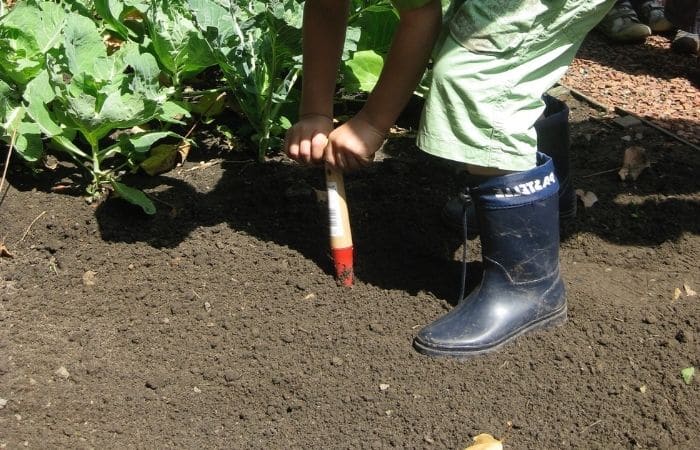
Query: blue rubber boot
[521,289]
[553,140]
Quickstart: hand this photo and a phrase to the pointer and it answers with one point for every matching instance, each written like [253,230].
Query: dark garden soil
[217,323]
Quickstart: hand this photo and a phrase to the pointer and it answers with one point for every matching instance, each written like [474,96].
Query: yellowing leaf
[485,441]
[165,157]
[633,163]
[210,104]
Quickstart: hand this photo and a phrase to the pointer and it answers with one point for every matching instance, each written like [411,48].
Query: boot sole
[556,319]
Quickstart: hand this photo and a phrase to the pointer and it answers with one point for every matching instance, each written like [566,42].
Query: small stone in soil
[231,375]
[155,383]
[62,372]
[336,361]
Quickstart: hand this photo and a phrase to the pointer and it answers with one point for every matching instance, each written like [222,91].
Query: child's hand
[306,141]
[353,144]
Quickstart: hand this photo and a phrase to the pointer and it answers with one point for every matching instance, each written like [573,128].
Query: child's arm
[353,144]
[325,22]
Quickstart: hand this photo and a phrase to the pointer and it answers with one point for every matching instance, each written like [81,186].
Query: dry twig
[7,163]
[26,232]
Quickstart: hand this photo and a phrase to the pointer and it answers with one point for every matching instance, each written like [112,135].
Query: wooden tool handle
[339,227]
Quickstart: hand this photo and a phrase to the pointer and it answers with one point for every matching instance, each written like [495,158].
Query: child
[494,60]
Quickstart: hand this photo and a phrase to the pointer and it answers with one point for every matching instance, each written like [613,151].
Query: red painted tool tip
[342,259]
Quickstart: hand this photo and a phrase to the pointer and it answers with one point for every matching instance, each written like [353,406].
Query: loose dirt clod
[89,278]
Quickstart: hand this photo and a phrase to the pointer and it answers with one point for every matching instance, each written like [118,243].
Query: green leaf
[37,95]
[134,196]
[27,33]
[84,49]
[688,373]
[66,144]
[12,119]
[178,43]
[27,141]
[362,71]
[143,142]
[378,26]
[215,22]
[173,112]
[146,73]
[8,99]
[110,10]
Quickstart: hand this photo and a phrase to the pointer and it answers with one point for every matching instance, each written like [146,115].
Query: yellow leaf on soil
[165,157]
[485,441]
[676,294]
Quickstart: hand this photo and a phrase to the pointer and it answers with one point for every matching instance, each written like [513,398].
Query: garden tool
[339,227]
[521,289]
[552,139]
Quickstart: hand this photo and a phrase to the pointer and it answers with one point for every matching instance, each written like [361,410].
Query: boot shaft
[518,216]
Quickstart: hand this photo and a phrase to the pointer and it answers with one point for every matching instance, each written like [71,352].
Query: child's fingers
[329,155]
[318,146]
[290,147]
[305,149]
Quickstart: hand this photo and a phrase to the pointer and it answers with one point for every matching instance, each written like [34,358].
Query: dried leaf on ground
[588,198]
[633,163]
[50,162]
[4,252]
[688,291]
[485,441]
[165,157]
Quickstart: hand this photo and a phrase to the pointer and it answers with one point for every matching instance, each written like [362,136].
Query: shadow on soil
[395,205]
[395,208]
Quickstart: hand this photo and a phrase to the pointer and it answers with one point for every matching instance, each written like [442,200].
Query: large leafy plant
[257,46]
[371,27]
[166,29]
[77,95]
[27,34]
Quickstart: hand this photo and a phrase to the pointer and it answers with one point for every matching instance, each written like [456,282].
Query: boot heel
[556,320]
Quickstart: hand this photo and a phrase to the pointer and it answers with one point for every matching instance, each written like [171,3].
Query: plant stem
[204,92]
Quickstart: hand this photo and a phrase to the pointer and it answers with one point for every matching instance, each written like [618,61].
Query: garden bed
[217,323]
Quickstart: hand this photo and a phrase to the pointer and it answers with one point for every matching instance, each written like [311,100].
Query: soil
[217,322]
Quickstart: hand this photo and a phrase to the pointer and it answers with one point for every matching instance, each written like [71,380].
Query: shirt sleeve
[409,4]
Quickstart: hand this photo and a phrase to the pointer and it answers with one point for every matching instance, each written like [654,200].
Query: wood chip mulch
[646,79]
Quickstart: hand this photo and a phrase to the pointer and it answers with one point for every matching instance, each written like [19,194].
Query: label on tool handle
[334,214]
